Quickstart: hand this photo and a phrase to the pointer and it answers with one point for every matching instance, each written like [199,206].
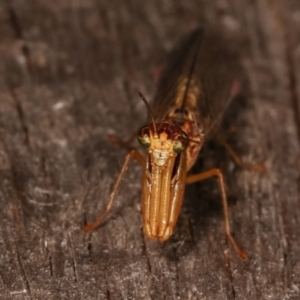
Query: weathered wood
[69,71]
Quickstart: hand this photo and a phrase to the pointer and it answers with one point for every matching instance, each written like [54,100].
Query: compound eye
[181,144]
[144,137]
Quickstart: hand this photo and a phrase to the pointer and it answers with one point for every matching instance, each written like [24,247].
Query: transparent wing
[205,65]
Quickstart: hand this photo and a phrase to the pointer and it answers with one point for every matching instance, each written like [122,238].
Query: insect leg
[132,154]
[217,172]
[260,167]
[125,144]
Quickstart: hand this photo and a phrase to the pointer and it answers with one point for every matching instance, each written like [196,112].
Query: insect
[197,87]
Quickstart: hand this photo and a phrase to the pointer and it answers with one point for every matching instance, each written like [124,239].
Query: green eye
[180,145]
[144,138]
[144,141]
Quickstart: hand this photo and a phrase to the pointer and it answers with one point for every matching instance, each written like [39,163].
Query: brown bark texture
[69,75]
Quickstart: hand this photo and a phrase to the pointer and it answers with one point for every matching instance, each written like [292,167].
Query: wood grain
[69,72]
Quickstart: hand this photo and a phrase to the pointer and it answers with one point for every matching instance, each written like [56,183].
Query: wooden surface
[69,72]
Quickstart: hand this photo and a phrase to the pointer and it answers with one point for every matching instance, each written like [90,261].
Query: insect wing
[200,78]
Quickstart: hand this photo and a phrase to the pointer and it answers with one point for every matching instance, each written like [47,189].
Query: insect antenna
[150,113]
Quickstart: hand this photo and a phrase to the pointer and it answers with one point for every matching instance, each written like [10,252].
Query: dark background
[69,71]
